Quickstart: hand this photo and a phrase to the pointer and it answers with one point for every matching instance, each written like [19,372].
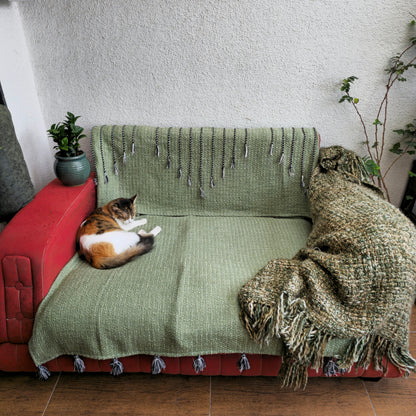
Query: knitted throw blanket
[356,278]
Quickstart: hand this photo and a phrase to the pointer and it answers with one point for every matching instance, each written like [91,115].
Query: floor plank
[395,396]
[264,396]
[23,394]
[130,394]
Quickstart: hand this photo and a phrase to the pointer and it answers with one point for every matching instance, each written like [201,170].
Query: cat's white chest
[121,240]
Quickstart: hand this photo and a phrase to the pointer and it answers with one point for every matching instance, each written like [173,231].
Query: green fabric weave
[178,300]
[256,185]
[181,298]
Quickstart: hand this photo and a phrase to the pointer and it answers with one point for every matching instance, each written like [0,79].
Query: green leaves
[345,87]
[67,135]
[371,166]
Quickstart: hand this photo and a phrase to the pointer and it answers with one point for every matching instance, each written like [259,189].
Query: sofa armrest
[34,247]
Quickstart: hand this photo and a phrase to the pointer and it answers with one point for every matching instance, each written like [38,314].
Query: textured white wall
[241,63]
[18,85]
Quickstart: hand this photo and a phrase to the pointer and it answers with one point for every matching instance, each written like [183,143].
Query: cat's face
[123,209]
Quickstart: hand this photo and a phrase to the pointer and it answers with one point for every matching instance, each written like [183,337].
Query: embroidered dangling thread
[43,373]
[79,365]
[246,145]
[190,158]
[201,189]
[199,364]
[132,140]
[123,139]
[283,147]
[94,162]
[168,162]
[157,365]
[302,182]
[291,172]
[157,142]
[116,367]
[180,153]
[271,142]
[243,363]
[102,154]
[223,155]
[331,368]
[234,145]
[212,184]
[114,151]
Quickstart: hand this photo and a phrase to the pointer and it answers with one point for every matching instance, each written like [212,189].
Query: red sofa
[35,246]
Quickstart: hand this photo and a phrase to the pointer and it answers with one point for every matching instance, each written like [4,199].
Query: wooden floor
[142,394]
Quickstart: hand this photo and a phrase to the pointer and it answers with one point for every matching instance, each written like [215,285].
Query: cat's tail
[144,246]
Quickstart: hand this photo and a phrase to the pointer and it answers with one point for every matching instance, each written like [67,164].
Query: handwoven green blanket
[355,278]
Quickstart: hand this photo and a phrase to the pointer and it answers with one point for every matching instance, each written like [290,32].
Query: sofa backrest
[206,171]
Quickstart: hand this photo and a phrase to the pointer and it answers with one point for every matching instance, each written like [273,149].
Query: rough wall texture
[243,63]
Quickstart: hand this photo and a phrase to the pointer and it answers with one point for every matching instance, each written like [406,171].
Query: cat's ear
[133,199]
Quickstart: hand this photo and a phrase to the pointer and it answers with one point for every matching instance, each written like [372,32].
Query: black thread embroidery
[190,158]
[246,145]
[283,147]
[102,154]
[114,150]
[212,184]
[234,145]
[123,139]
[201,189]
[291,171]
[271,142]
[157,142]
[132,140]
[169,161]
[180,153]
[223,154]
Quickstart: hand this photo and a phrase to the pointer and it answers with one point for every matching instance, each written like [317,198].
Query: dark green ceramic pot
[72,171]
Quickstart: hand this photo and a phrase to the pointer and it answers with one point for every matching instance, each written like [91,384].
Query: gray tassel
[105,178]
[302,181]
[116,367]
[189,180]
[115,168]
[157,365]
[212,183]
[291,171]
[157,151]
[243,363]
[281,158]
[202,192]
[133,149]
[245,150]
[271,149]
[179,173]
[199,364]
[124,157]
[43,373]
[168,163]
[79,365]
[223,173]
[331,369]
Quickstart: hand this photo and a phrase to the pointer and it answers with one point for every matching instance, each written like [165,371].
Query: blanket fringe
[43,373]
[116,367]
[243,363]
[157,365]
[79,365]
[305,344]
[199,364]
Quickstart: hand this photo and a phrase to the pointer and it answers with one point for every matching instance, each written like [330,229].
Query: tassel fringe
[243,363]
[199,364]
[43,373]
[79,365]
[116,367]
[157,365]
[305,343]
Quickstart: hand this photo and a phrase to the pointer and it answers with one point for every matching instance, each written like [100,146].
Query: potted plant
[71,165]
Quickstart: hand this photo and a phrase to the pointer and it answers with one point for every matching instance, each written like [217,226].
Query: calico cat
[105,240]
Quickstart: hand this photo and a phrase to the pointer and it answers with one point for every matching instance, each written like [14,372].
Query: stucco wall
[18,85]
[242,63]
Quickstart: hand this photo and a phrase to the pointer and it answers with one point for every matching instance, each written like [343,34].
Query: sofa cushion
[16,188]
[254,172]
[178,300]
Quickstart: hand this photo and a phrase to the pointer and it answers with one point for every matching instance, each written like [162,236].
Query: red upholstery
[35,246]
